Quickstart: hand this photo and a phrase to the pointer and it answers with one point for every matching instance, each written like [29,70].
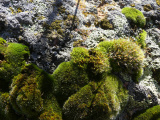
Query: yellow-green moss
[150,114]
[97,101]
[141,39]
[125,56]
[93,60]
[78,43]
[135,16]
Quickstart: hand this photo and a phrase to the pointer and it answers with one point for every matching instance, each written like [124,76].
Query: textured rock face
[51,28]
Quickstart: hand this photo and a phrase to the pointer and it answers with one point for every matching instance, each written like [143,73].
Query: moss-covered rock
[150,114]
[158,2]
[29,90]
[69,79]
[135,16]
[12,58]
[125,56]
[96,101]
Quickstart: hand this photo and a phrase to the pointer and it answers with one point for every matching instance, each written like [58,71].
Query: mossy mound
[124,56]
[29,90]
[158,2]
[141,39]
[69,79]
[135,16]
[150,114]
[12,58]
[96,101]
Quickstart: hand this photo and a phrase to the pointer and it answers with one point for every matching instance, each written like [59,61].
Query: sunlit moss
[141,39]
[134,16]
[125,56]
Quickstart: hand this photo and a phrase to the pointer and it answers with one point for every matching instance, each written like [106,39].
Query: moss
[124,56]
[69,79]
[158,2]
[56,24]
[29,89]
[141,39]
[88,24]
[147,7]
[104,23]
[51,110]
[71,22]
[97,101]
[2,41]
[93,60]
[13,56]
[6,111]
[150,114]
[78,43]
[135,16]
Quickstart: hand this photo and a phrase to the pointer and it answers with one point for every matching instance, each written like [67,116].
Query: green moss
[150,114]
[56,24]
[141,39]
[147,7]
[2,41]
[125,56]
[97,101]
[6,111]
[29,89]
[12,58]
[51,110]
[69,79]
[78,43]
[94,61]
[135,16]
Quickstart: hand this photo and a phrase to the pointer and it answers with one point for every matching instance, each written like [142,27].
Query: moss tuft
[147,7]
[135,16]
[141,39]
[124,56]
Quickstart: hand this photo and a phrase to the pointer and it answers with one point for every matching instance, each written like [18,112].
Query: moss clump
[104,24]
[69,79]
[150,114]
[158,2]
[141,39]
[124,56]
[2,41]
[29,90]
[96,101]
[93,60]
[135,16]
[147,7]
[13,56]
[78,43]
